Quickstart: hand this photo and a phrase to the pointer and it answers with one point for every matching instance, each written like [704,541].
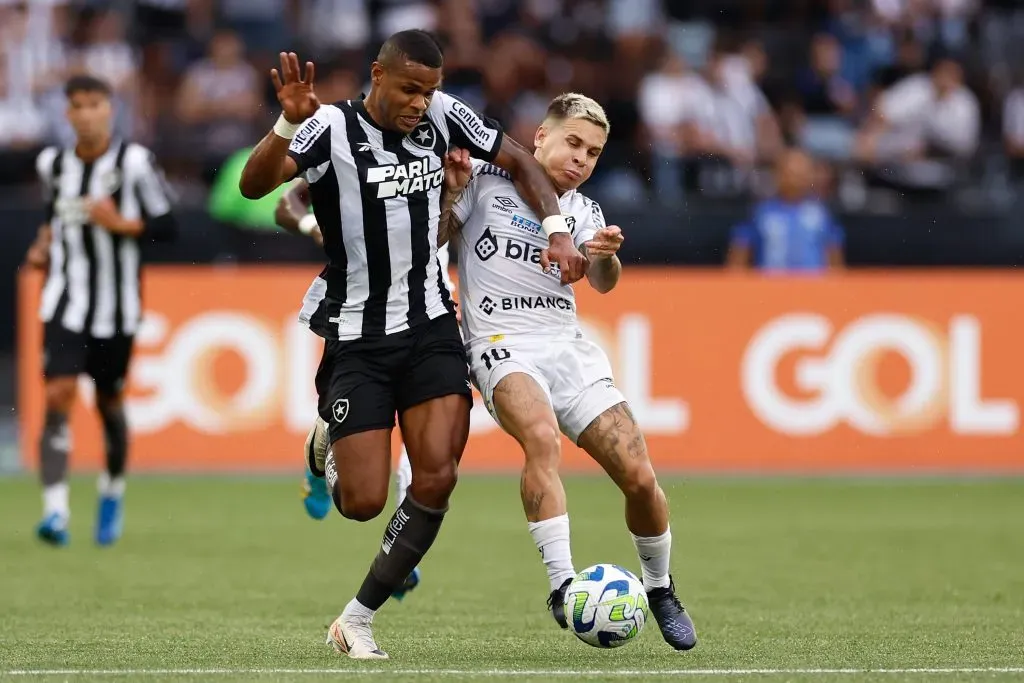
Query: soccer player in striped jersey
[293,214]
[375,171]
[104,198]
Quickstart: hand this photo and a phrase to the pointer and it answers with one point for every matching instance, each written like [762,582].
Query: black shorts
[69,354]
[362,383]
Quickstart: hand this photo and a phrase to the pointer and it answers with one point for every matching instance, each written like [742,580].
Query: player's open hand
[458,167]
[606,242]
[571,263]
[295,91]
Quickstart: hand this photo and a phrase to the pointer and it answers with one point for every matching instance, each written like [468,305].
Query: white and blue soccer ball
[606,606]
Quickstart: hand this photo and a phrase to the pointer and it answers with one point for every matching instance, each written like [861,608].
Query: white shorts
[574,373]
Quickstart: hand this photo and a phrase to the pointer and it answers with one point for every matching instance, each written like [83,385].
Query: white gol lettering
[945,376]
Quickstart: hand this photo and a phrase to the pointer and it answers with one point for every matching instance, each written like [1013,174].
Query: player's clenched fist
[562,251]
[606,242]
[458,167]
[295,92]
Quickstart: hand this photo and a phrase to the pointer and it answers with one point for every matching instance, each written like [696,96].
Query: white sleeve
[149,181]
[590,223]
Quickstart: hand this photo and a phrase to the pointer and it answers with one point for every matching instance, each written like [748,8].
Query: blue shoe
[53,529]
[315,497]
[109,520]
[411,582]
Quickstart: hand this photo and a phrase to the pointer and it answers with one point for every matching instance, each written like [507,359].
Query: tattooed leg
[615,441]
[526,414]
[524,411]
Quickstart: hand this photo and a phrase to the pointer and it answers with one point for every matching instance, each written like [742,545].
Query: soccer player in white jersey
[537,372]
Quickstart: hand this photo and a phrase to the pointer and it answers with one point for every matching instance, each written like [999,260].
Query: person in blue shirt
[793,231]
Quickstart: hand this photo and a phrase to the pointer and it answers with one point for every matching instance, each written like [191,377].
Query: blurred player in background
[375,171]
[293,215]
[104,197]
[794,231]
[538,374]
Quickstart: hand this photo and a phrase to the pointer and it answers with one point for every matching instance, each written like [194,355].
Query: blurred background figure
[793,231]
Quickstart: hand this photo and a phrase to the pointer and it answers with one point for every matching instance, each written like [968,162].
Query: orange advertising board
[864,372]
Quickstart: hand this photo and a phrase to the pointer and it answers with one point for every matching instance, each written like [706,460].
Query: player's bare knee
[358,505]
[640,483]
[60,394]
[433,485]
[109,401]
[542,444]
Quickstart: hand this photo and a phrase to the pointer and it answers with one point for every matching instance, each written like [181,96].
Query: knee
[357,505]
[542,444]
[60,395]
[433,485]
[641,483]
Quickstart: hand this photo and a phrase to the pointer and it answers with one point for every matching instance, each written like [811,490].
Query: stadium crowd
[922,95]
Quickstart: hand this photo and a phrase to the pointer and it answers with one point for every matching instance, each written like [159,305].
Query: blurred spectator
[821,124]
[793,231]
[1013,130]
[219,101]
[925,117]
[676,112]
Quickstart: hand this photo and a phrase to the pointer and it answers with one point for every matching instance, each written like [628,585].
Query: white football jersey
[503,290]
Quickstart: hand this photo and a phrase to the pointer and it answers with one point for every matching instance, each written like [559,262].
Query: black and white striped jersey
[377,198]
[93,284]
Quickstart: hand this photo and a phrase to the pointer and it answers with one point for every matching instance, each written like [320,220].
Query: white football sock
[654,552]
[55,499]
[551,536]
[110,488]
[354,608]
[403,475]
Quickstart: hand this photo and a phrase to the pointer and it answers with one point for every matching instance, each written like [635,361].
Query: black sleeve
[311,145]
[480,135]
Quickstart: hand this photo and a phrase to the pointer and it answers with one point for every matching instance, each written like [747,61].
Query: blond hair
[573,105]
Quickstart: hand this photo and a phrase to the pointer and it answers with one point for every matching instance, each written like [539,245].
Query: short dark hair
[86,83]
[414,45]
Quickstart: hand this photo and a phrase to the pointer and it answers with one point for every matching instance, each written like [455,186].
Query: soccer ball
[606,606]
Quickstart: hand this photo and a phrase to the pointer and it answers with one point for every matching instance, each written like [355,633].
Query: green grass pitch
[788,580]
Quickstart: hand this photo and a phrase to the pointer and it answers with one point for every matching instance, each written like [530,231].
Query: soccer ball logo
[606,606]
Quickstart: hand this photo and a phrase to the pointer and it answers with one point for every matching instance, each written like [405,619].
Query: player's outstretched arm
[535,187]
[605,266]
[269,164]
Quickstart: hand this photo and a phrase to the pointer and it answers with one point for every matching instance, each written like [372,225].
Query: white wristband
[553,224]
[307,224]
[285,129]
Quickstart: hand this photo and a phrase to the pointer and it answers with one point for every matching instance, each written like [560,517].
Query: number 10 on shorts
[491,356]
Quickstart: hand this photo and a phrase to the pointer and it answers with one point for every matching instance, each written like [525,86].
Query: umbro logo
[507,202]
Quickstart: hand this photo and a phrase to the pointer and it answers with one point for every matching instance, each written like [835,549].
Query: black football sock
[115,428]
[407,538]
[54,445]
